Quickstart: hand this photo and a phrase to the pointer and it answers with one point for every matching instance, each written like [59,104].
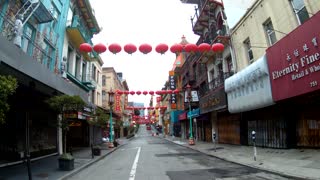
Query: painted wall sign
[294,61]
[214,101]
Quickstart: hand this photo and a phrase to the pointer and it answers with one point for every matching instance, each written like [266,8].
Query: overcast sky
[152,22]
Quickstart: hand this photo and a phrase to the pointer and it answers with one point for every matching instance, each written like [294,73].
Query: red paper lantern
[162,48]
[191,48]
[138,92]
[145,92]
[126,92]
[132,92]
[130,48]
[99,48]
[176,91]
[169,91]
[114,48]
[119,92]
[218,47]
[85,47]
[204,47]
[151,92]
[176,48]
[158,92]
[145,48]
[163,92]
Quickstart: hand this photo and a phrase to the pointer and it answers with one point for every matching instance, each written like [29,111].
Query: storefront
[251,103]
[184,125]
[294,69]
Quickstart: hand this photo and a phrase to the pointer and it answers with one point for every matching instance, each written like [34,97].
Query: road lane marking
[134,165]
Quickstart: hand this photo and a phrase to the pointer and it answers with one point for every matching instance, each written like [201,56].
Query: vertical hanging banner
[172,86]
[117,103]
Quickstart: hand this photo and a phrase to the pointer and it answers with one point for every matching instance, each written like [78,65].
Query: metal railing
[31,46]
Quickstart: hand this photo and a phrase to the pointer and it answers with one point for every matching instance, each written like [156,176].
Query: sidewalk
[300,163]
[47,168]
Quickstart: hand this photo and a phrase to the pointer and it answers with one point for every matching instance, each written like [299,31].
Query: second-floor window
[270,33]
[104,95]
[300,10]
[103,80]
[248,49]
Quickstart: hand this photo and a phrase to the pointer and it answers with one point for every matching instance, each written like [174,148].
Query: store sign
[182,116]
[294,61]
[117,103]
[193,113]
[172,86]
[213,101]
[250,88]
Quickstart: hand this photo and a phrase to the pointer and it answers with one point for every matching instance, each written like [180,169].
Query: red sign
[118,103]
[294,61]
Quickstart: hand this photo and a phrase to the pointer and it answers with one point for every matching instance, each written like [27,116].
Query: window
[247,46]
[104,95]
[300,10]
[48,55]
[229,64]
[29,36]
[103,80]
[93,73]
[271,35]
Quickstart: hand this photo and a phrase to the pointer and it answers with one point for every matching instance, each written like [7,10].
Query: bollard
[253,136]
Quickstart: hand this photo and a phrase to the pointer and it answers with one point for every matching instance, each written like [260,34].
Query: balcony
[203,14]
[89,81]
[78,34]
[32,47]
[214,84]
[42,14]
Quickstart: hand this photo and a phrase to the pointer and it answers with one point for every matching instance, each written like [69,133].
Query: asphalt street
[151,158]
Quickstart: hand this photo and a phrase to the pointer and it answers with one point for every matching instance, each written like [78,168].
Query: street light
[111,101]
[191,140]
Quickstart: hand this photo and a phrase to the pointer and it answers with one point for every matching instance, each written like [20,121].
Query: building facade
[252,92]
[37,54]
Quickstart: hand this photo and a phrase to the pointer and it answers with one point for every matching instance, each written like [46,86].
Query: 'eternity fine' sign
[294,61]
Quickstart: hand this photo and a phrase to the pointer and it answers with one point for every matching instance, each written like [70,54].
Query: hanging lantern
[163,92]
[119,92]
[158,92]
[145,92]
[132,92]
[85,47]
[204,47]
[126,92]
[145,48]
[138,92]
[176,91]
[99,48]
[151,92]
[191,48]
[114,48]
[130,48]
[162,48]
[169,91]
[217,47]
[176,48]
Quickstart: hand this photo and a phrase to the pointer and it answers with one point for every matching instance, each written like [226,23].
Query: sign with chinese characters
[294,61]
[213,101]
[117,103]
[172,86]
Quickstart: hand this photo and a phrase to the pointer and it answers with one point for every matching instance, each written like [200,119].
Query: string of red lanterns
[144,108]
[160,92]
[147,48]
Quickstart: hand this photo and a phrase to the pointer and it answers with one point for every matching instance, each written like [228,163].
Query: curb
[77,170]
[287,175]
